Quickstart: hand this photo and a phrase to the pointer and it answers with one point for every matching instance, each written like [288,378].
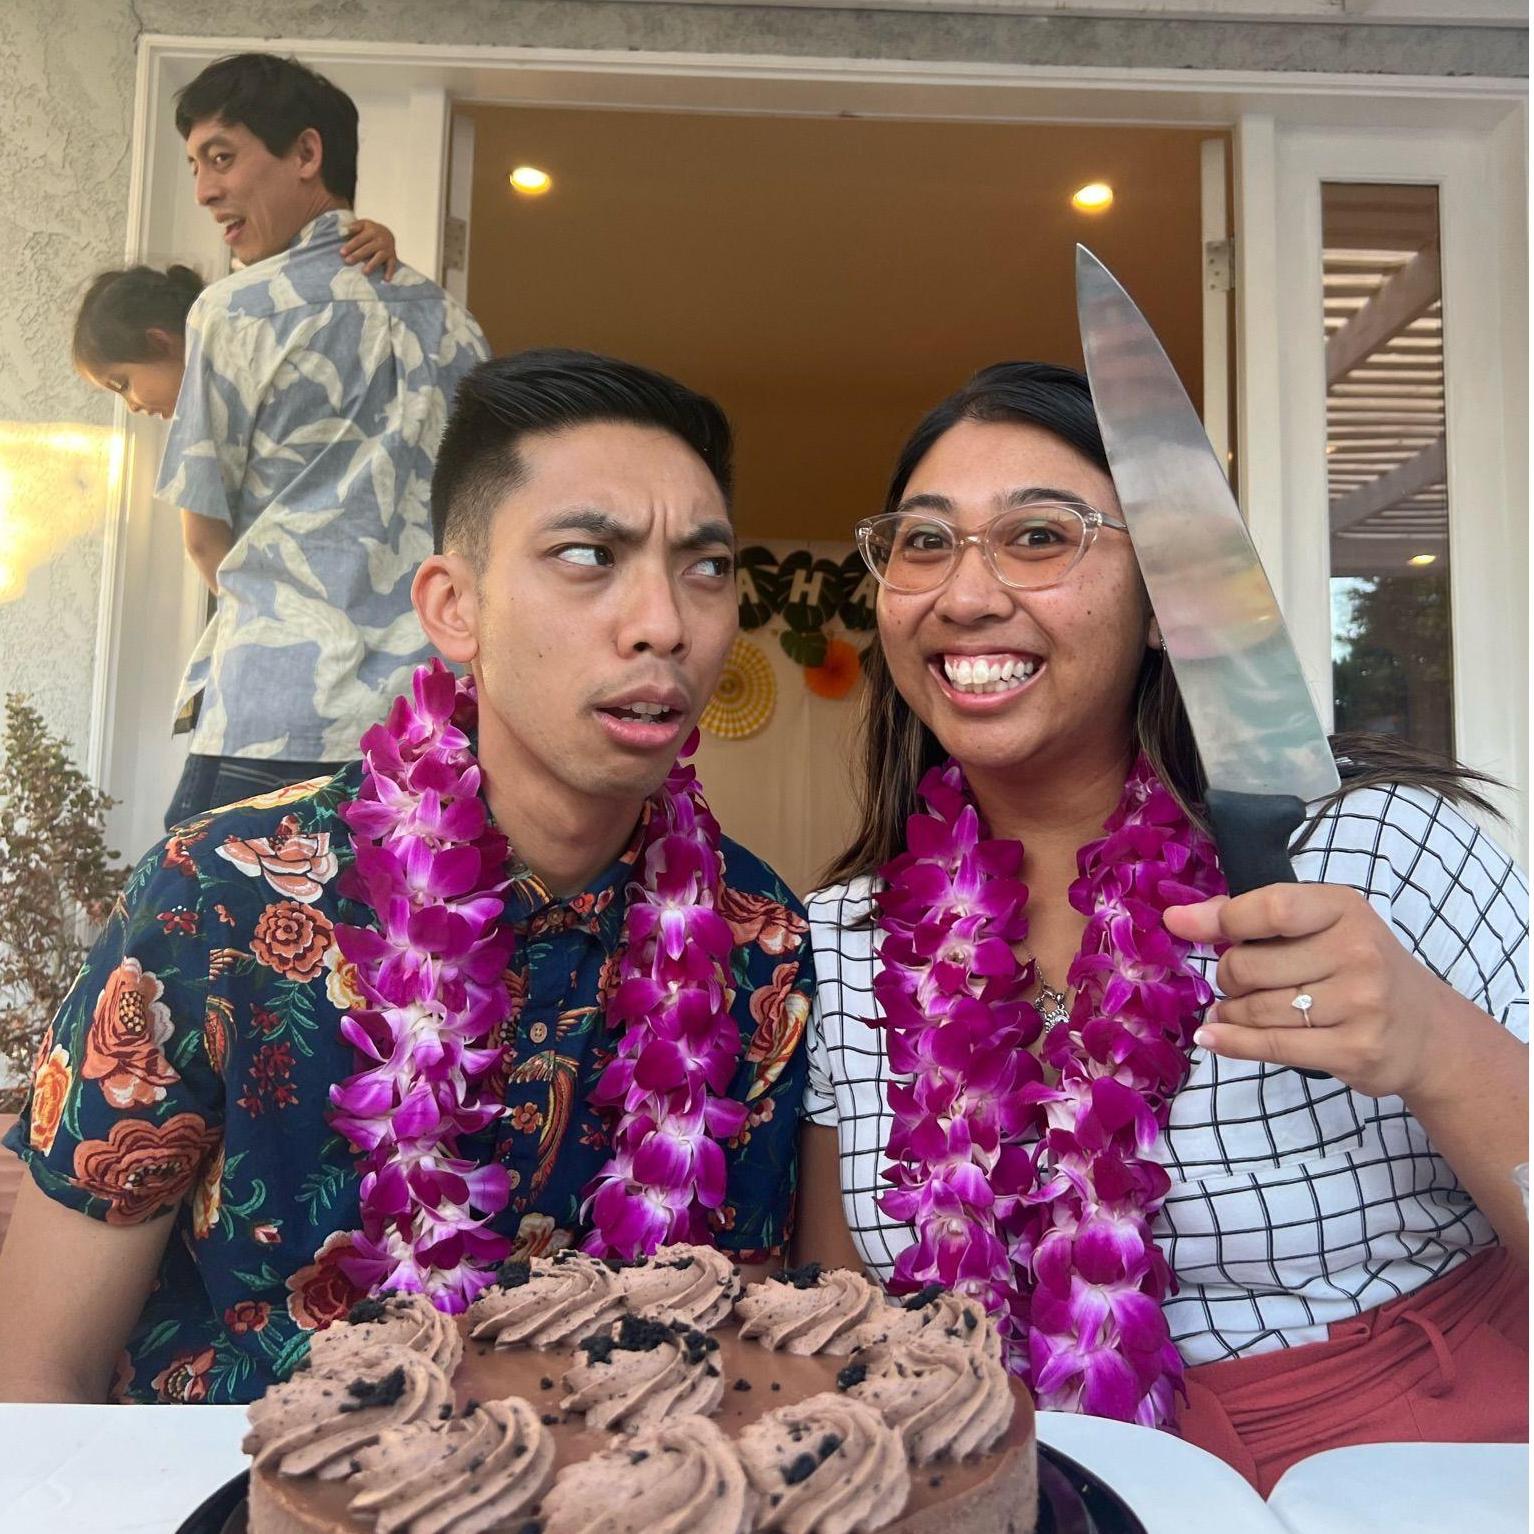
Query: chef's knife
[1259,738]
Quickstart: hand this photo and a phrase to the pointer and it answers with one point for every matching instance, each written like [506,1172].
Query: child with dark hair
[301,447]
[130,328]
[244,1146]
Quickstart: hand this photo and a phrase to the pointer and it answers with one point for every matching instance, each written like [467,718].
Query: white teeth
[979,674]
[645,710]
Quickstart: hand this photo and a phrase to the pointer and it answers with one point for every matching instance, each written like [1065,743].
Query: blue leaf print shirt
[308,420]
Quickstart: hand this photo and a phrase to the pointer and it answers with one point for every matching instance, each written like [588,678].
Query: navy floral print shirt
[190,1066]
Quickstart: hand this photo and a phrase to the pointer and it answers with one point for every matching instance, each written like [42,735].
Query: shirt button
[538,1032]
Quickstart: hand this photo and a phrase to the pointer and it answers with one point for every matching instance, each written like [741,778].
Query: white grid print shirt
[1295,1203]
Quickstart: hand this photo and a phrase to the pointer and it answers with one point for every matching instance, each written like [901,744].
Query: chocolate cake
[587,1397]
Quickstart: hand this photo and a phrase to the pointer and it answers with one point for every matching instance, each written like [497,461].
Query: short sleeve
[776,987]
[125,1105]
[208,448]
[819,1089]
[1456,900]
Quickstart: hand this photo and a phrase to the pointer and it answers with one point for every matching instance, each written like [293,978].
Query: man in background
[302,445]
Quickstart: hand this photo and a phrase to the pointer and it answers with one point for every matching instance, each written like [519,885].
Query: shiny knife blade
[1259,737]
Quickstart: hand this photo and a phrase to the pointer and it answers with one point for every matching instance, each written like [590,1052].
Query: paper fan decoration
[837,674]
[744,699]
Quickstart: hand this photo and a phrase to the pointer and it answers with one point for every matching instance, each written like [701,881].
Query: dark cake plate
[1071,1501]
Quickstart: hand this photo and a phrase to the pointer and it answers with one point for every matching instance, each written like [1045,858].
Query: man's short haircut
[277,99]
[552,389]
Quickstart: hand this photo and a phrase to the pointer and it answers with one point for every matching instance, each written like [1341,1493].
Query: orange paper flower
[837,675]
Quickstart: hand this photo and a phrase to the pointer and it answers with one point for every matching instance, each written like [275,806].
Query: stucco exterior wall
[66,102]
[66,99]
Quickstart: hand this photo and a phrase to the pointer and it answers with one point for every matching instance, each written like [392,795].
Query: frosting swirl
[546,1304]
[807,1311]
[316,1422]
[826,1464]
[463,1476]
[695,1284]
[409,1320]
[638,1371]
[683,1477]
[931,1312]
[946,1400]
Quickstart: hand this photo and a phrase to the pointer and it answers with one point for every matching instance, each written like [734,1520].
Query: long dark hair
[120,308]
[897,748]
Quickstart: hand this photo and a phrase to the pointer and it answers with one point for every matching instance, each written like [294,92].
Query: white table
[142,1469]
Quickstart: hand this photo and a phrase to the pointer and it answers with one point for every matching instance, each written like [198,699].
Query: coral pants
[1448,1363]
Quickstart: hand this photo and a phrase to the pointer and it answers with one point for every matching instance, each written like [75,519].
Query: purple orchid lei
[433,869]
[680,1045]
[1037,1199]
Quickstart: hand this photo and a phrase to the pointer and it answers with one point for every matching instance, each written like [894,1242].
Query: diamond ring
[1302,1004]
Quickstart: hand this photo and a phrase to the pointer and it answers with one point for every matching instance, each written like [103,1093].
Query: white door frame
[150,607]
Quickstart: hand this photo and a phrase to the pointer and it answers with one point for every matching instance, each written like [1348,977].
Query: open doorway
[1287,136]
[827,280]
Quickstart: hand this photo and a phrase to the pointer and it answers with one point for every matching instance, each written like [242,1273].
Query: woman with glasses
[1281,1222]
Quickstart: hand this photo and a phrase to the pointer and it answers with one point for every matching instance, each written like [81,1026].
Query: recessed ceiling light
[1094,197]
[1422,559]
[531,181]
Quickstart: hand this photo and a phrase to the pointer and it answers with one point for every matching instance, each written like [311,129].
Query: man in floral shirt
[191,1203]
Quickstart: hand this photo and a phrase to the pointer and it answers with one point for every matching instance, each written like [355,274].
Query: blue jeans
[210,781]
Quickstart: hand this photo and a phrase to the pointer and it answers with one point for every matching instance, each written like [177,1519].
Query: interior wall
[827,280]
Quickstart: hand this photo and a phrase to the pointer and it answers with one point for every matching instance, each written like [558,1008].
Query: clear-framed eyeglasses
[1028,547]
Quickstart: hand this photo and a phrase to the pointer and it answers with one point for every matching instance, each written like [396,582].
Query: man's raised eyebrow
[707,535]
[595,523]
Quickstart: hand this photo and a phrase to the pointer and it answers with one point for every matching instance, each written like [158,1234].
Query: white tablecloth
[1408,1488]
[142,1469]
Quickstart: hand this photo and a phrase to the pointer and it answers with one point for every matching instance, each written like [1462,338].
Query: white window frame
[1485,325]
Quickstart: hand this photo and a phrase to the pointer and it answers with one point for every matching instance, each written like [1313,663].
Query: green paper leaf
[758,590]
[860,592]
[812,590]
[805,649]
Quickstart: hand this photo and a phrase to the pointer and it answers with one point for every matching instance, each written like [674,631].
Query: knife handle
[1252,832]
